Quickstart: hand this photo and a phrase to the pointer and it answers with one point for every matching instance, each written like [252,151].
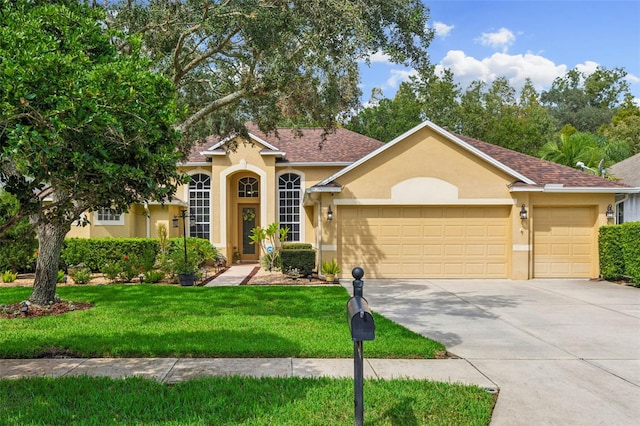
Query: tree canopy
[599,105]
[269,60]
[82,126]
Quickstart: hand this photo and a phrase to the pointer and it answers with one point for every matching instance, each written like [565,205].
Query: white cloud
[398,76]
[516,68]
[498,40]
[588,68]
[380,57]
[632,79]
[442,29]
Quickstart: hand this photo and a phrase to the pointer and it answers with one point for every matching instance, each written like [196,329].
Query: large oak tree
[271,60]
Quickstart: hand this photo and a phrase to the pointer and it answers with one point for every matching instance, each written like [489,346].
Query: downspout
[147,219]
[318,203]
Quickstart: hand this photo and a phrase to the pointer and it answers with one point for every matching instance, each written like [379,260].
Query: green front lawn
[238,401]
[172,321]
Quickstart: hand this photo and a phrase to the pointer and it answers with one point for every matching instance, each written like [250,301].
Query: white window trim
[302,192]
[200,171]
[97,221]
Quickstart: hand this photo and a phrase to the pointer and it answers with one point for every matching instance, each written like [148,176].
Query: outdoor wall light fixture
[610,213]
[523,213]
[329,214]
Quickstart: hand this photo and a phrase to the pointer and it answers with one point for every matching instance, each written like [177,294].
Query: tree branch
[210,107]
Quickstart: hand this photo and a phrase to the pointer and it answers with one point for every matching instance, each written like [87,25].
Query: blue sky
[482,40]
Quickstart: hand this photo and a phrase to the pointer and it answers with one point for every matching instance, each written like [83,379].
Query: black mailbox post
[362,328]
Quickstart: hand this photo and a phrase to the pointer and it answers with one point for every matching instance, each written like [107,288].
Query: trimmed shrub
[611,252]
[302,260]
[631,250]
[97,252]
[296,246]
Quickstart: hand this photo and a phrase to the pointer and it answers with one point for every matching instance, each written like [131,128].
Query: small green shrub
[152,277]
[60,277]
[271,261]
[111,271]
[81,276]
[330,268]
[9,276]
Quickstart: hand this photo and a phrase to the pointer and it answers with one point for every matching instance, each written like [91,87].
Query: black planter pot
[187,279]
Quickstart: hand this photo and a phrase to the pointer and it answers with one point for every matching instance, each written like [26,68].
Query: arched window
[248,187]
[289,199]
[200,206]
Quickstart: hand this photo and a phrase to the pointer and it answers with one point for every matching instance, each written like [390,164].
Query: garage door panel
[434,231]
[564,242]
[427,241]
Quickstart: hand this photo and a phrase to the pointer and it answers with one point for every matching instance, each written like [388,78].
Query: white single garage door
[424,242]
[564,242]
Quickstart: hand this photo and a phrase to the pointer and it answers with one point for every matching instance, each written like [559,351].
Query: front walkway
[233,275]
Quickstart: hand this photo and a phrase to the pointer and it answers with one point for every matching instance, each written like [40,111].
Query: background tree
[267,60]
[439,97]
[586,101]
[625,125]
[81,126]
[388,118]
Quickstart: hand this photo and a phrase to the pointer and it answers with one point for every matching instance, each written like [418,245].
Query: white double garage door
[462,241]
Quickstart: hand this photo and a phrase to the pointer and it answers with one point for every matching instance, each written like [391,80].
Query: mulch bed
[15,310]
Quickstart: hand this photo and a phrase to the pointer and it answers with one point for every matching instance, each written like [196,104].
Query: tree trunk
[50,240]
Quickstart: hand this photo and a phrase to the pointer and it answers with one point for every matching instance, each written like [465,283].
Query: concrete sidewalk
[171,370]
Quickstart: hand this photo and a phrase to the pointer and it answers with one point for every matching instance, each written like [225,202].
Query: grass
[238,401]
[172,321]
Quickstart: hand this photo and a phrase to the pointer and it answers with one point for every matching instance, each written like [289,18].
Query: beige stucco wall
[425,155]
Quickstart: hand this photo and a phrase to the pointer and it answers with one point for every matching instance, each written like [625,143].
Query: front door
[248,220]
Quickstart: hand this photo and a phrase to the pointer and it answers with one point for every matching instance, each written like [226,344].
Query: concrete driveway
[562,352]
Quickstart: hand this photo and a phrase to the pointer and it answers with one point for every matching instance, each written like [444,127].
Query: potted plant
[330,269]
[185,270]
[187,277]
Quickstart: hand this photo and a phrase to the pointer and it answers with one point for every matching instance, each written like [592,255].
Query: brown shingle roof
[195,156]
[339,146]
[541,172]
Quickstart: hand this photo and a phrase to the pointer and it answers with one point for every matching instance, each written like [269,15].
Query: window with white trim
[289,199]
[200,206]
[248,187]
[108,216]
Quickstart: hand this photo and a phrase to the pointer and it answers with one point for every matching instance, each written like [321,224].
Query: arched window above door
[248,187]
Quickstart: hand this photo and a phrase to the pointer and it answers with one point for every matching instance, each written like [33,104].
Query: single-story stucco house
[430,203]
[627,205]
